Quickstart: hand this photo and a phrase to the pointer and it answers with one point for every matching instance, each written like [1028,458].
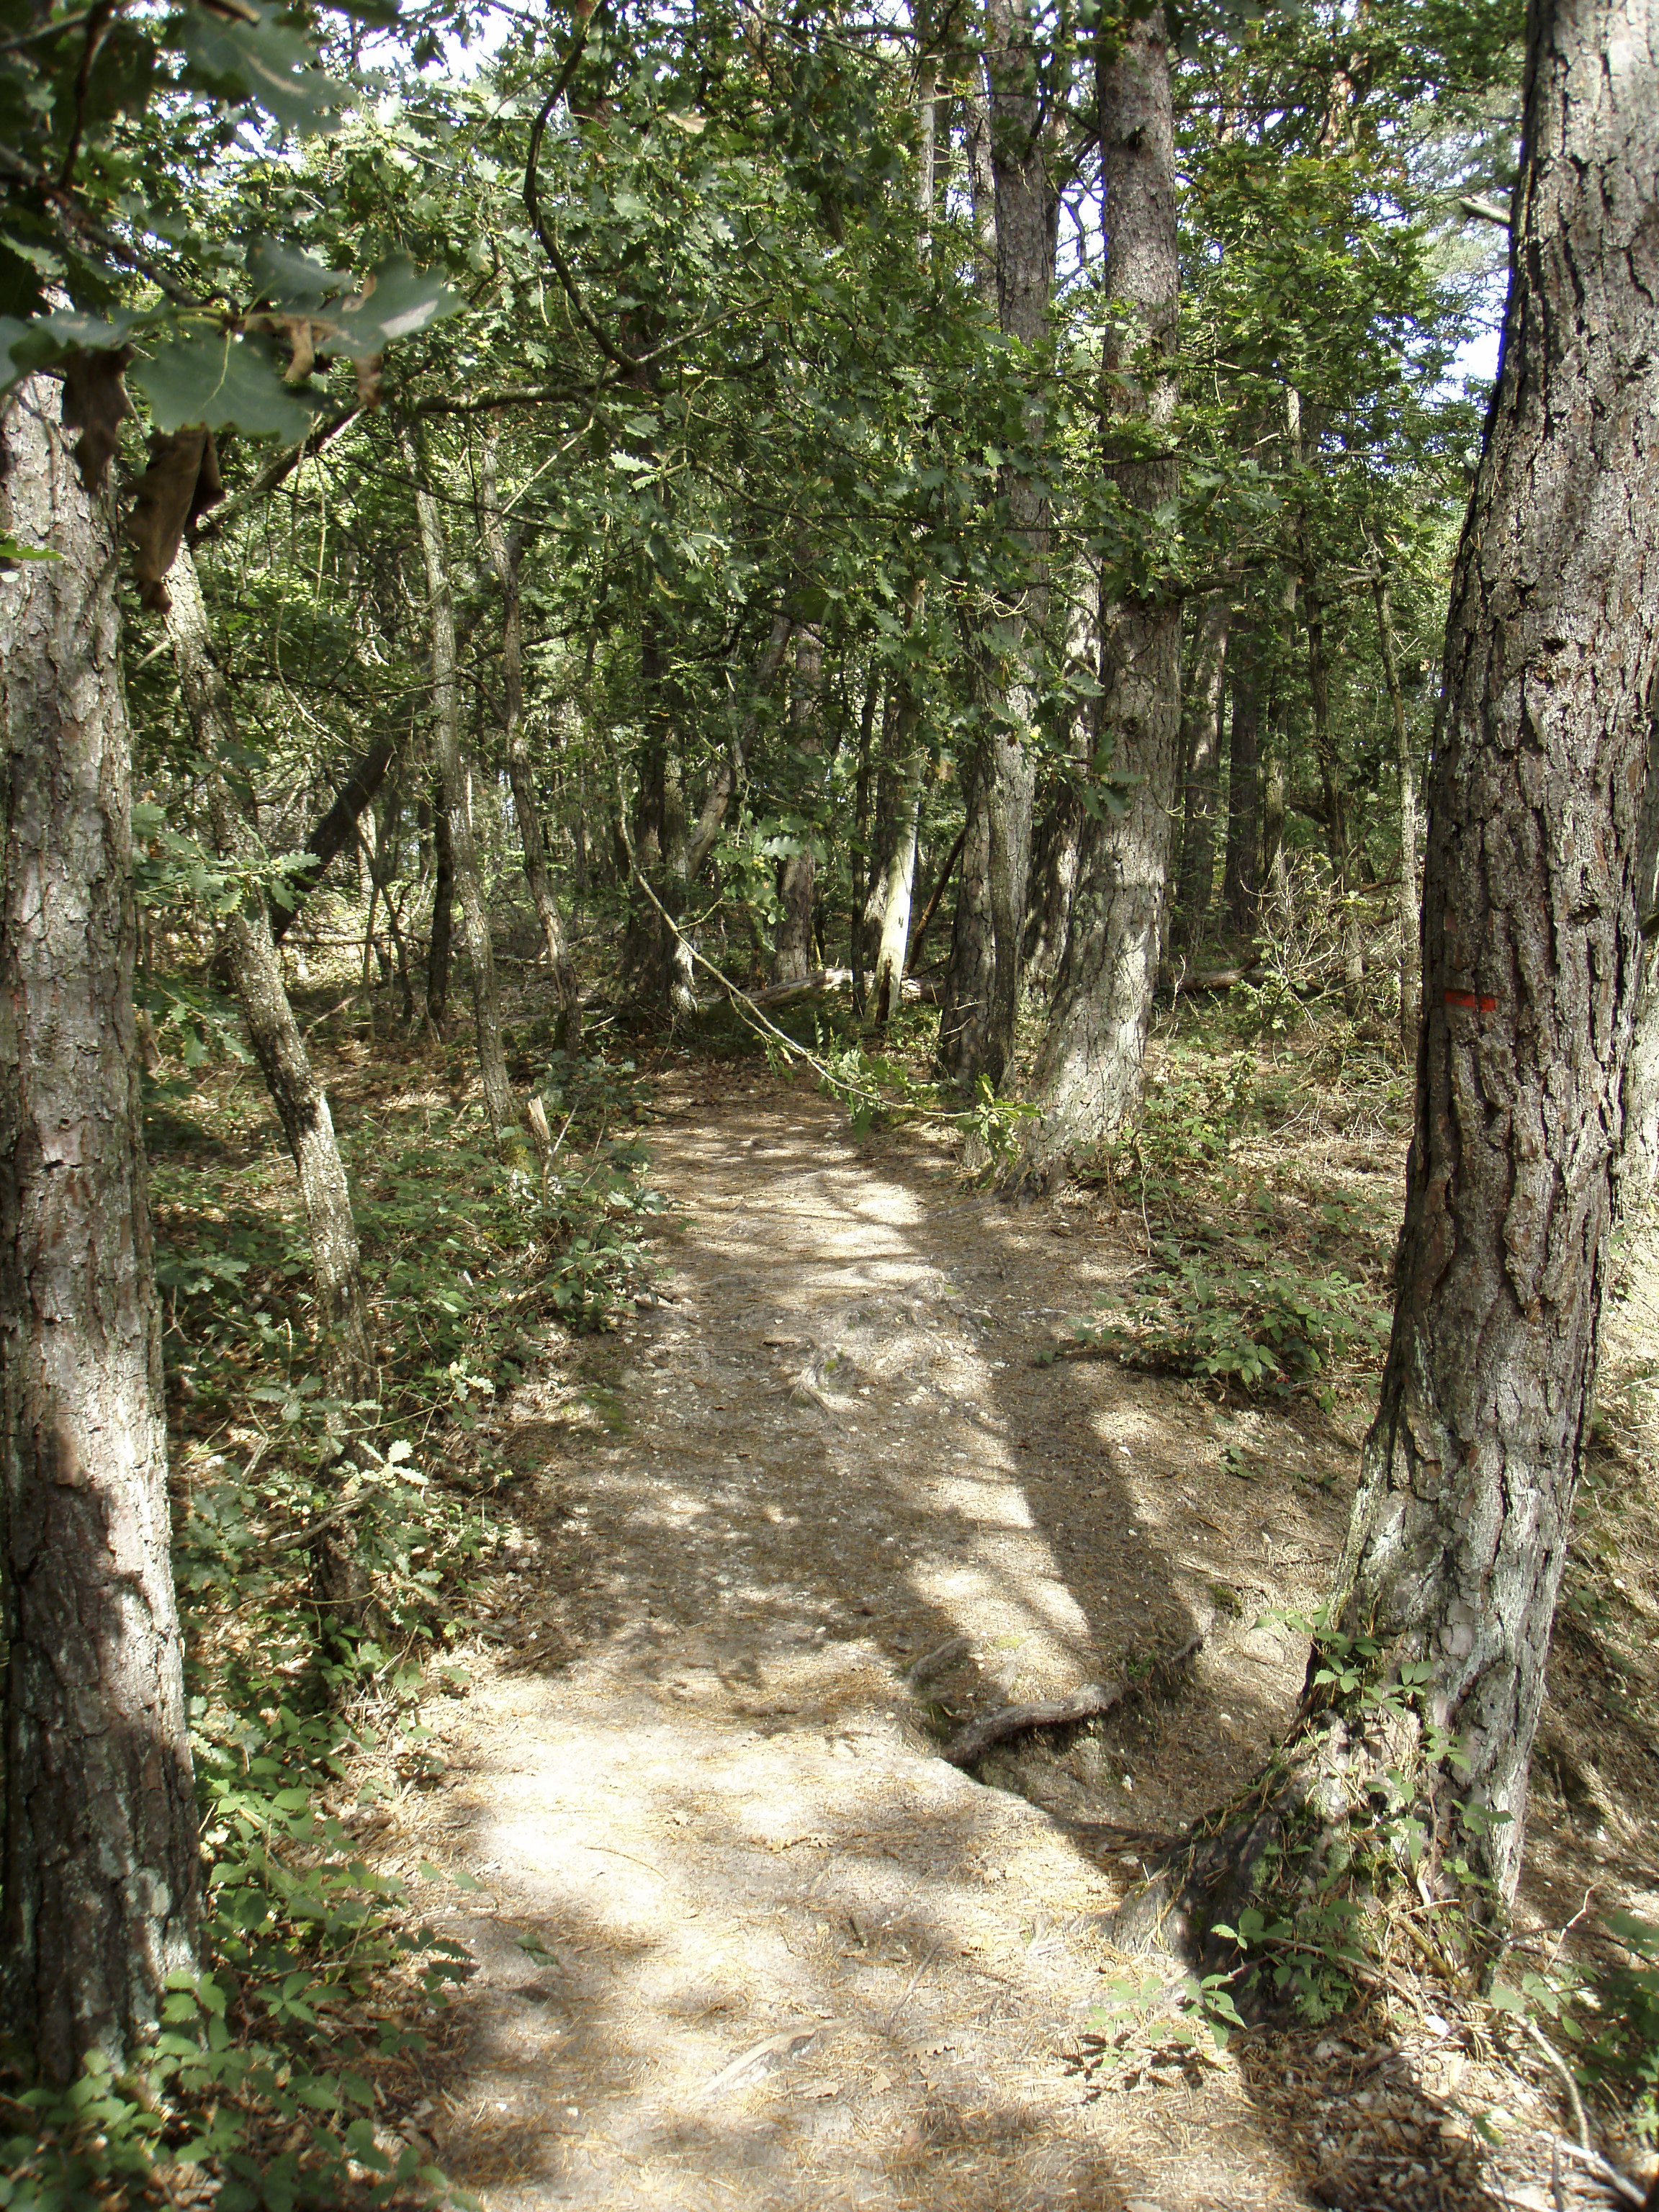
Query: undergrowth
[1256,1276]
[286,2073]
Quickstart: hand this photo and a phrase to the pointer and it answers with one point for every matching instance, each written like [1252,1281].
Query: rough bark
[337,829]
[1088,1074]
[526,801]
[499,1104]
[100,1880]
[1639,1156]
[1200,746]
[1531,942]
[256,976]
[1241,877]
[1405,905]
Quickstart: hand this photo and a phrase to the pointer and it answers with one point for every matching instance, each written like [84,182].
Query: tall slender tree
[1088,1074]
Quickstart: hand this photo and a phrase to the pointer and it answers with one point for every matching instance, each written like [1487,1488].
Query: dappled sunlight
[750,1935]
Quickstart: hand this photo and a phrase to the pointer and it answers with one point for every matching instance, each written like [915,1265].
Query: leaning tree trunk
[499,1106]
[100,1879]
[1531,946]
[301,1103]
[1088,1074]
[526,801]
[1201,750]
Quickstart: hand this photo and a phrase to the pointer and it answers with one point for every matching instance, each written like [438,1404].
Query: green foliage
[1250,1320]
[1148,2028]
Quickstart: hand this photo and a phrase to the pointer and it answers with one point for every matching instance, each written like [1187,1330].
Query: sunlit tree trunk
[1201,750]
[100,1878]
[792,951]
[893,857]
[256,976]
[1407,912]
[1531,945]
[499,1104]
[1088,1075]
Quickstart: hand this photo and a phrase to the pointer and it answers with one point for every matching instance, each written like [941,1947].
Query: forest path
[750,1941]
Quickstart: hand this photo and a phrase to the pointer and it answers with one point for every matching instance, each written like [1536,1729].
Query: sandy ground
[745,1937]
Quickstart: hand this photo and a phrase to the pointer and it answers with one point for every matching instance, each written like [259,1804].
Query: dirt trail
[749,1940]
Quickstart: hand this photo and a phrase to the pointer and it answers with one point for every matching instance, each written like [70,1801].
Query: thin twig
[1565,2072]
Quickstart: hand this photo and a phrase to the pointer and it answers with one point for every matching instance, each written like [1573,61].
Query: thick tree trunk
[1088,1076]
[1200,746]
[499,1104]
[1639,1156]
[1531,945]
[301,1103]
[1056,846]
[526,801]
[1406,910]
[1241,877]
[100,1879]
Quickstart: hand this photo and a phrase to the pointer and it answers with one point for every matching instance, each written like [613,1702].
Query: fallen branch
[1087,1703]
[776,2046]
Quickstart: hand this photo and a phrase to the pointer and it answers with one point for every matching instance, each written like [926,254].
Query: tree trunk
[441,942]
[1088,1075]
[791,951]
[1531,943]
[977,1039]
[499,1106]
[1056,846]
[337,829]
[526,802]
[301,1103]
[1241,880]
[1200,746]
[1337,846]
[898,811]
[969,973]
[99,1878]
[1406,911]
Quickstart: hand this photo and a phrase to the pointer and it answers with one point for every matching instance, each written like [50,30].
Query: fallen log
[1087,1703]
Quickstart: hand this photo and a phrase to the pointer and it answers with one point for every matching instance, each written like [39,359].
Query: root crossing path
[745,1938]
